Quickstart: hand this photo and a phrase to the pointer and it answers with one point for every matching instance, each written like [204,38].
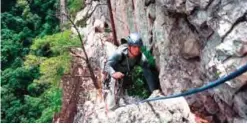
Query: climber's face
[134,51]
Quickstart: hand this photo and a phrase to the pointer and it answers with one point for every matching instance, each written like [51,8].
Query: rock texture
[164,111]
[193,42]
[91,107]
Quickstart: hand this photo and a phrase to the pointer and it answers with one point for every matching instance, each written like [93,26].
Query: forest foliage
[31,43]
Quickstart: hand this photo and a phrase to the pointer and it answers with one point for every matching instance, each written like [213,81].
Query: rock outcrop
[193,42]
[91,107]
[163,111]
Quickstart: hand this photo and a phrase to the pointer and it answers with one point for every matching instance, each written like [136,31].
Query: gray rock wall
[164,111]
[193,42]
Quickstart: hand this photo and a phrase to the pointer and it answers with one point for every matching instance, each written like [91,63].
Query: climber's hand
[117,75]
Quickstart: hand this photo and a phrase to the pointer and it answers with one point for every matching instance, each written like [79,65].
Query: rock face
[91,107]
[164,111]
[193,42]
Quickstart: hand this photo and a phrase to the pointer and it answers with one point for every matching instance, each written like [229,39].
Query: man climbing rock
[119,65]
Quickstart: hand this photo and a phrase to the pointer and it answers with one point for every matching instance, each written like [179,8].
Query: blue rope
[222,80]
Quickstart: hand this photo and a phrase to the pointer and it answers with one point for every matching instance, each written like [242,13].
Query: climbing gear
[134,39]
[117,86]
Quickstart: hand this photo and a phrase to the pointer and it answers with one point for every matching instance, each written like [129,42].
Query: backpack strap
[122,48]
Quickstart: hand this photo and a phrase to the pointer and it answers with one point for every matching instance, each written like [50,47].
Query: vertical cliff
[193,42]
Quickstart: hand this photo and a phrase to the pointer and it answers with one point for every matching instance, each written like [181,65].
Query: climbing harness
[210,85]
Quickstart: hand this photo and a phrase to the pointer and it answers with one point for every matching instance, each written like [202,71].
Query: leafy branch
[93,77]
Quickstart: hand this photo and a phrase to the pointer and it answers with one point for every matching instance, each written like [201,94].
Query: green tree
[21,21]
[75,6]
[58,56]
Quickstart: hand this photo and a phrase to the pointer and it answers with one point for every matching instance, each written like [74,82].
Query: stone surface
[235,42]
[163,111]
[193,42]
[191,49]
[93,110]
[225,13]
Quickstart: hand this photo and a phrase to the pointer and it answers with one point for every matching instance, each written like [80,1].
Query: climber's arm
[148,74]
[111,63]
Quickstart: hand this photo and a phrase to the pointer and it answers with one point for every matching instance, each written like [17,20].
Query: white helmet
[134,39]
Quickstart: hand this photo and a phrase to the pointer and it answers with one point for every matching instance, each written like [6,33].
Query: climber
[119,65]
